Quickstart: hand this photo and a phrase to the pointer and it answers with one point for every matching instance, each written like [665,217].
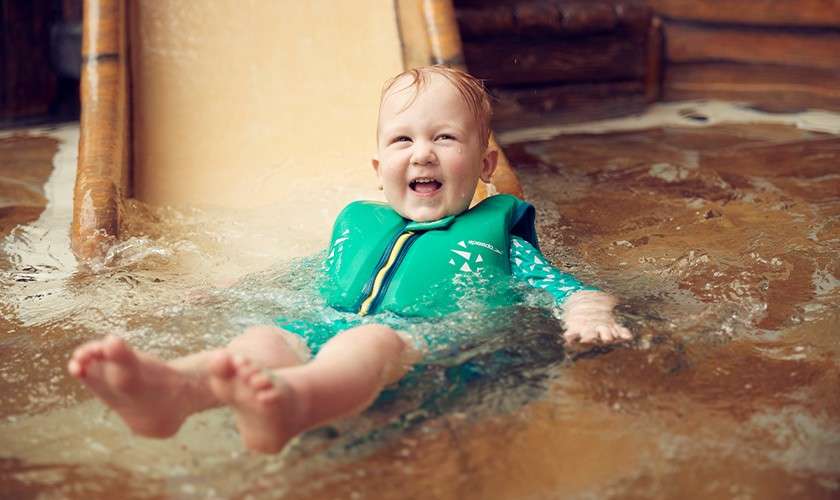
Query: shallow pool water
[722,241]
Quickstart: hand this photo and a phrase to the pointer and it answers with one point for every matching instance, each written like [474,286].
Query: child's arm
[585,310]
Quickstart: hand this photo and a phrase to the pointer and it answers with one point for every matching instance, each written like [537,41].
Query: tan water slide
[242,104]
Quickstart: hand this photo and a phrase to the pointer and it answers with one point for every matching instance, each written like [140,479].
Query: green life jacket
[379,261]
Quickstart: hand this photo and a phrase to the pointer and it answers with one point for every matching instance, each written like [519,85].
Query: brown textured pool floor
[25,164]
[723,243]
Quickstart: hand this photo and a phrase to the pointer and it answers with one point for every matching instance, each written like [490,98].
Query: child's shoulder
[365,212]
[363,206]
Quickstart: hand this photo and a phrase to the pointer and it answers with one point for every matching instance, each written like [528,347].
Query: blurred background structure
[40,59]
[150,71]
[563,60]
[570,60]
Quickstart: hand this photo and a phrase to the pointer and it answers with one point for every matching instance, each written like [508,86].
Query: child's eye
[446,137]
[401,138]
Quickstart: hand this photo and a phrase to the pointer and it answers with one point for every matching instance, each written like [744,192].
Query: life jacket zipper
[389,261]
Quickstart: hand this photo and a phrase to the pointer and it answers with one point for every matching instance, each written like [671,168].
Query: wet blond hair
[471,89]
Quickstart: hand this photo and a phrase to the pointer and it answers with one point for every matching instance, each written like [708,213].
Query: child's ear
[375,164]
[488,164]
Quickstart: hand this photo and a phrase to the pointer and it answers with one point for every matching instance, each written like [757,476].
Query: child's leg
[154,397]
[347,375]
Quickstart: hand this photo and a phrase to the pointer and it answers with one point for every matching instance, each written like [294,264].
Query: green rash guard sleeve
[529,265]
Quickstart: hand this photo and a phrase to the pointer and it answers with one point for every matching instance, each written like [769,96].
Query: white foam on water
[47,240]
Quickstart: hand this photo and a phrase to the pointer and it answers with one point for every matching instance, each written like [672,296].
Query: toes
[241,362]
[271,395]
[221,365]
[246,371]
[115,349]
[236,377]
[75,368]
[90,352]
[83,356]
[260,381]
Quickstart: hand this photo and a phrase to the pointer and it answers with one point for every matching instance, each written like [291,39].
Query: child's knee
[399,344]
[256,337]
[413,350]
[272,343]
[384,338]
[259,331]
[401,351]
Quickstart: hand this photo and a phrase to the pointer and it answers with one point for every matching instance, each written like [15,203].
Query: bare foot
[266,411]
[148,394]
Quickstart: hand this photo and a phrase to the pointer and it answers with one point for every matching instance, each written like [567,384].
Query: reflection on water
[722,241]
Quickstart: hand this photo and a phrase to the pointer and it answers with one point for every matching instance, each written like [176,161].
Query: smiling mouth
[425,185]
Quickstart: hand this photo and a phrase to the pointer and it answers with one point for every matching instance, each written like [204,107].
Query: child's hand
[588,318]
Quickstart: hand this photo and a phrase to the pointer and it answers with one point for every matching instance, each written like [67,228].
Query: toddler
[414,256]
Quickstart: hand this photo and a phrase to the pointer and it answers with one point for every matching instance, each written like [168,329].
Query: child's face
[429,155]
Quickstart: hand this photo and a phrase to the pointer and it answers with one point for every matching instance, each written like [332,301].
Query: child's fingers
[605,333]
[571,335]
[615,335]
[588,335]
[623,332]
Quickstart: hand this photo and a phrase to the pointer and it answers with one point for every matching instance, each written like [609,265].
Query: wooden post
[103,167]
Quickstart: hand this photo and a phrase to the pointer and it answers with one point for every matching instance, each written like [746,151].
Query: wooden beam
[613,56]
[776,88]
[555,18]
[764,12]
[568,103]
[692,43]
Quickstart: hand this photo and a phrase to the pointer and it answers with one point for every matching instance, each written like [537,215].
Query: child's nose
[423,153]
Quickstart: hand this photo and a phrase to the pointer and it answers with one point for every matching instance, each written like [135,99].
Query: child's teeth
[425,184]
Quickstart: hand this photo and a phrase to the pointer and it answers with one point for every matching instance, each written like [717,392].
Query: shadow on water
[722,241]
